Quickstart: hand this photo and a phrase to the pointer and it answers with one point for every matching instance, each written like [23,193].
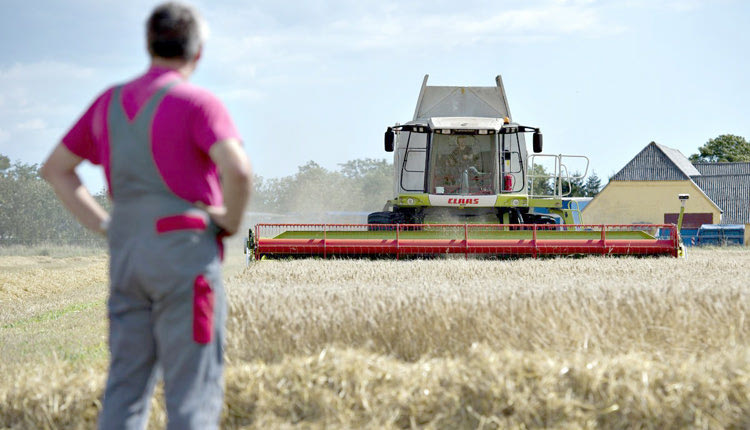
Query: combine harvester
[465,184]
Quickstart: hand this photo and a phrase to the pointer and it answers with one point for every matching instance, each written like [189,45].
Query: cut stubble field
[448,343]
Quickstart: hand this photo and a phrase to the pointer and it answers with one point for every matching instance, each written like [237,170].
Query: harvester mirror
[389,137]
[538,141]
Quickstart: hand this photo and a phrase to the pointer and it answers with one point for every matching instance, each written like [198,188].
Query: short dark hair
[174,31]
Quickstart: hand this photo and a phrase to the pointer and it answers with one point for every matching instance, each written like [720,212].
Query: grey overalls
[167,306]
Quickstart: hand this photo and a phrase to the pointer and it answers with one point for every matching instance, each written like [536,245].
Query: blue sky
[321,80]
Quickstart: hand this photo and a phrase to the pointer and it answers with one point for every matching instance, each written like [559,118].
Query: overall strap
[133,171]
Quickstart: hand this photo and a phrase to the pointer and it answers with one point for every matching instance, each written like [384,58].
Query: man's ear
[199,54]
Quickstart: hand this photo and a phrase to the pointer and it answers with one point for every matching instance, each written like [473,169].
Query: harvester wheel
[538,219]
[379,218]
[385,218]
[409,216]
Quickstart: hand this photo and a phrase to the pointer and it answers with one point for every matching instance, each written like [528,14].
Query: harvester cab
[465,183]
[461,159]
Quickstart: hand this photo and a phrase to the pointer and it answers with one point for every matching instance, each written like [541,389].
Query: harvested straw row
[481,388]
[435,308]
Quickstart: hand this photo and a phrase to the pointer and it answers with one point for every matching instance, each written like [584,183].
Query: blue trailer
[720,235]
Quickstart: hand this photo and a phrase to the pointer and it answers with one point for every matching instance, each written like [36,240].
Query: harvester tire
[386,218]
[379,218]
[539,219]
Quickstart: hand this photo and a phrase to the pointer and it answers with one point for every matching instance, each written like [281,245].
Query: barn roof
[729,192]
[657,163]
[712,169]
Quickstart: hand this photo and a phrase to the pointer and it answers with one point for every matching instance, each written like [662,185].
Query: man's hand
[236,184]
[218,215]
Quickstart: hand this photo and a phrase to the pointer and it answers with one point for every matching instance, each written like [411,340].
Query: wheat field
[448,343]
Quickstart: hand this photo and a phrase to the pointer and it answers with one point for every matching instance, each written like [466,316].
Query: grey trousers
[167,312]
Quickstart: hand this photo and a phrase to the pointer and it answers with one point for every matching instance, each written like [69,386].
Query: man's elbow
[239,172]
[46,172]
[52,173]
[59,164]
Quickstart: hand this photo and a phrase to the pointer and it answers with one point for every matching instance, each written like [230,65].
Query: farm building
[646,189]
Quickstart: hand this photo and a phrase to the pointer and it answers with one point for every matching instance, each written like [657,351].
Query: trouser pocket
[203,310]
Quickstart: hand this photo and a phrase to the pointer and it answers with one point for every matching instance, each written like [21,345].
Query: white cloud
[685,5]
[29,72]
[575,2]
[32,124]
[39,100]
[42,88]
[672,5]
[245,95]
[285,38]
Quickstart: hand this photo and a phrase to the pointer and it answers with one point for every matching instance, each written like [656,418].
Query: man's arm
[59,171]
[236,183]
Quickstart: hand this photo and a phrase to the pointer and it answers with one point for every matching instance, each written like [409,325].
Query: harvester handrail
[556,175]
[577,209]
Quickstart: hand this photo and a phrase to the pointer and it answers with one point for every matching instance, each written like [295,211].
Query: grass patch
[86,354]
[54,250]
[52,315]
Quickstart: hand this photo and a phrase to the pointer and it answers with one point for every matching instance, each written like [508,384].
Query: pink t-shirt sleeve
[211,123]
[88,136]
[80,138]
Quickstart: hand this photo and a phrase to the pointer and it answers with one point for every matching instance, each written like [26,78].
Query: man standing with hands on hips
[179,181]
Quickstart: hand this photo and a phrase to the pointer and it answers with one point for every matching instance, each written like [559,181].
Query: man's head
[175,31]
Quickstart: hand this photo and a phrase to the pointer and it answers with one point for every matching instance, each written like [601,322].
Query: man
[460,165]
[160,141]
[463,155]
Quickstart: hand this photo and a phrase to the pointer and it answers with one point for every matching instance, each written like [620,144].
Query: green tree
[577,186]
[540,181]
[369,183]
[4,164]
[724,148]
[573,186]
[593,185]
[359,185]
[31,214]
[359,168]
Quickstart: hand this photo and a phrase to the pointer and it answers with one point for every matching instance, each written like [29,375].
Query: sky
[321,80]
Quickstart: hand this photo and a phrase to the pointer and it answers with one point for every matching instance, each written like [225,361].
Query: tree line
[365,185]
[358,186]
[544,184]
[31,214]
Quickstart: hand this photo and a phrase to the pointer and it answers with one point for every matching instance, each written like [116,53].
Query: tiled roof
[710,169]
[731,193]
[682,162]
[657,163]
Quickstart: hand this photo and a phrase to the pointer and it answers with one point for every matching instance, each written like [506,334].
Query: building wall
[635,202]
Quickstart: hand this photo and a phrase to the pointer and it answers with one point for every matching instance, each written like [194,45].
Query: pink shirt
[188,121]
